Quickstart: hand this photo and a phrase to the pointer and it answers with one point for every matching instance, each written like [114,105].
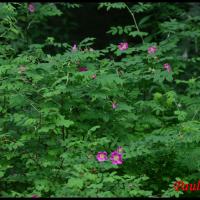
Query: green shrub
[59,107]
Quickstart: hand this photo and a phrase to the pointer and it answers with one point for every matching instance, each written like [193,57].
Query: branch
[133,16]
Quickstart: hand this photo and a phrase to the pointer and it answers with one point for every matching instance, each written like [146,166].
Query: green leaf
[94,128]
[75,183]
[61,121]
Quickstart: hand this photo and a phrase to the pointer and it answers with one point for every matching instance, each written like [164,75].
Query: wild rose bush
[117,122]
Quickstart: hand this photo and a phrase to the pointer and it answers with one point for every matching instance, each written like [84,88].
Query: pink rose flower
[152,50]
[83,69]
[34,196]
[116,158]
[31,7]
[74,48]
[167,67]
[120,150]
[94,76]
[123,46]
[114,105]
[102,156]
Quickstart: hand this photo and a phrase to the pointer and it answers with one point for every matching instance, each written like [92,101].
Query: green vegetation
[64,98]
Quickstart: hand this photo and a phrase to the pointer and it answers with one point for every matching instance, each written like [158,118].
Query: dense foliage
[61,103]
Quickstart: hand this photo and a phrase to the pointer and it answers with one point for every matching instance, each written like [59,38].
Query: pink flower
[101,156]
[31,7]
[120,150]
[167,67]
[152,50]
[83,69]
[123,46]
[116,158]
[34,196]
[114,105]
[74,48]
[94,76]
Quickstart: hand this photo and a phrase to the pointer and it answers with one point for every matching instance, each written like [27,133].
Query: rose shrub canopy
[99,100]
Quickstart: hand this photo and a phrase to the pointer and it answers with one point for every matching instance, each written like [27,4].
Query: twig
[133,16]
[195,114]
[61,165]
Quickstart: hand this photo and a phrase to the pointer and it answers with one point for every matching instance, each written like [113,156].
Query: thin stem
[181,126]
[133,16]
[35,108]
[196,45]
[61,165]
[195,114]
[63,133]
